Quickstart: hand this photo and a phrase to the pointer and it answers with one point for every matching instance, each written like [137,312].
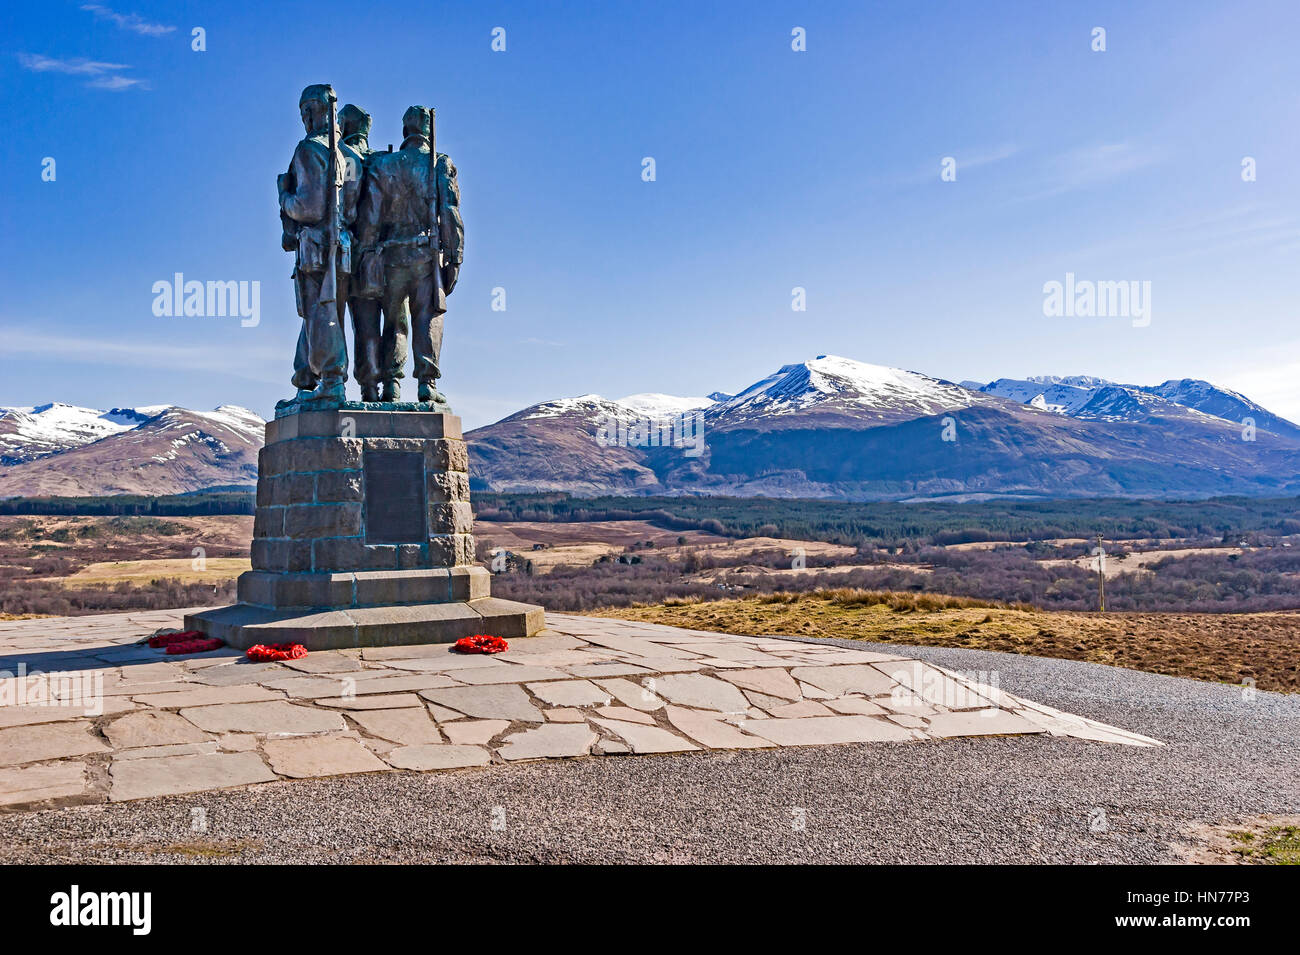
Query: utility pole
[1101,575]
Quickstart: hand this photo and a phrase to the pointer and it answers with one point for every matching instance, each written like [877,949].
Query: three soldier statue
[376,232]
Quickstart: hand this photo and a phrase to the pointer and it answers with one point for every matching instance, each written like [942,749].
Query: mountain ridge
[828,427]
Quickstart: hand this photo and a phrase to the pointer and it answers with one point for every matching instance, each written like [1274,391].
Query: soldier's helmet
[317,93]
[416,120]
[353,120]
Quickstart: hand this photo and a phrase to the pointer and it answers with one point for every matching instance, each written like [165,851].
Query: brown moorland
[1226,648]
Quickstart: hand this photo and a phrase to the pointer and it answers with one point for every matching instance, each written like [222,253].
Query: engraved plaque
[396,512]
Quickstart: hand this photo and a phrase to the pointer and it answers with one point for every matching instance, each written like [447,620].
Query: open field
[1227,648]
[57,546]
[89,564]
[605,558]
[582,544]
[1127,563]
[139,572]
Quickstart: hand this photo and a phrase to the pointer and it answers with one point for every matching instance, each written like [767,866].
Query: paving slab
[307,756]
[391,701]
[856,705]
[549,741]
[934,686]
[501,702]
[140,778]
[30,784]
[569,693]
[769,682]
[700,691]
[27,715]
[175,749]
[271,718]
[324,661]
[208,696]
[846,678]
[234,674]
[408,727]
[711,731]
[614,668]
[635,695]
[821,730]
[646,739]
[482,676]
[626,714]
[447,756]
[441,713]
[153,673]
[988,722]
[474,732]
[46,741]
[801,708]
[151,728]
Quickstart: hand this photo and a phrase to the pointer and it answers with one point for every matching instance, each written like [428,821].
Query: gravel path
[1027,799]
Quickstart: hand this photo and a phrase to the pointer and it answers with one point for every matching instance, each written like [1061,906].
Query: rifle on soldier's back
[435,233]
[329,284]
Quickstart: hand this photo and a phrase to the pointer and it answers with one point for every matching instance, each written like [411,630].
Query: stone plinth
[363,536]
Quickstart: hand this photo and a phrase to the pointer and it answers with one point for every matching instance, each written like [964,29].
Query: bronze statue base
[362,537]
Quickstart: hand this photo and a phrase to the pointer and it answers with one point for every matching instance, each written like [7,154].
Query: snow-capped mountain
[830,384]
[1057,397]
[655,405]
[152,449]
[27,433]
[1221,403]
[1083,396]
[835,427]
[829,427]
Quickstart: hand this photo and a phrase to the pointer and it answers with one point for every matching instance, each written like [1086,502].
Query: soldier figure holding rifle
[317,205]
[354,123]
[410,239]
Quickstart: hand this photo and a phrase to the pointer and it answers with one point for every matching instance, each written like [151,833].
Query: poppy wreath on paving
[480,643]
[276,651]
[184,641]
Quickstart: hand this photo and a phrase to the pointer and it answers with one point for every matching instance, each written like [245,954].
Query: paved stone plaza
[587,686]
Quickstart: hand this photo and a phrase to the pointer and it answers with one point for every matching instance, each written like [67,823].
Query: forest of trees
[891,524]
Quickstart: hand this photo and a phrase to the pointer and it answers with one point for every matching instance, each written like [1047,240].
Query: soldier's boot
[329,391]
[392,390]
[429,392]
[302,395]
[370,393]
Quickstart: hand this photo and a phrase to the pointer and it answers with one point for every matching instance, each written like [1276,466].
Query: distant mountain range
[837,428]
[60,450]
[829,428]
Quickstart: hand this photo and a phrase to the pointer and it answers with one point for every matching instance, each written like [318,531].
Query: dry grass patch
[1226,648]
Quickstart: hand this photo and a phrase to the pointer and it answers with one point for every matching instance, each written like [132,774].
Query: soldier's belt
[414,241]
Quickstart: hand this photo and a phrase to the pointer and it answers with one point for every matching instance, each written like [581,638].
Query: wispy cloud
[986,157]
[117,84]
[77,66]
[966,160]
[237,360]
[1091,165]
[128,21]
[102,75]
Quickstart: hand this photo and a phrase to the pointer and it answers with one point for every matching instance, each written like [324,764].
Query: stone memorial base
[362,536]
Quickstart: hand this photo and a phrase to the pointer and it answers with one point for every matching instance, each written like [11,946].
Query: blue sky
[774,169]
